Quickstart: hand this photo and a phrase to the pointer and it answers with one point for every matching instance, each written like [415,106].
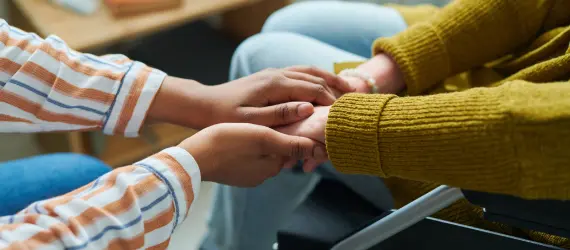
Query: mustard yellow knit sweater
[510,137]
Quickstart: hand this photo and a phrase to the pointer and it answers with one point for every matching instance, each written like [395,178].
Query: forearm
[183,102]
[131,207]
[464,34]
[46,86]
[504,140]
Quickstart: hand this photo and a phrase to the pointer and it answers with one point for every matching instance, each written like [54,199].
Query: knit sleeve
[513,139]
[464,34]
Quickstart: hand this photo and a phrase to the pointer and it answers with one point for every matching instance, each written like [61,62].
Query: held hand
[312,127]
[245,155]
[384,70]
[271,97]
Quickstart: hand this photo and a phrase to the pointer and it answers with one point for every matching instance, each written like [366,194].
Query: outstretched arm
[46,86]
[511,139]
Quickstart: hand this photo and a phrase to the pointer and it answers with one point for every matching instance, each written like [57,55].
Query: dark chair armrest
[549,216]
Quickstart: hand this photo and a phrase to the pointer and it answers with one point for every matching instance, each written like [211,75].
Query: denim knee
[281,20]
[246,58]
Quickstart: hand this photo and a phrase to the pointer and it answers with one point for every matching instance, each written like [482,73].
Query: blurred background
[186,38]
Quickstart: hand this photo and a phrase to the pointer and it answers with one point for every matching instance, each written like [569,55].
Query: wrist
[385,72]
[177,102]
[202,148]
[358,84]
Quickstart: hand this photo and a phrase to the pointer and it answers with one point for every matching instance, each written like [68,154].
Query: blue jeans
[25,181]
[311,33]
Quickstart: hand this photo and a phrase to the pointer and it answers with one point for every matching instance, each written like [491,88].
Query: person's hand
[312,127]
[245,155]
[271,97]
[386,73]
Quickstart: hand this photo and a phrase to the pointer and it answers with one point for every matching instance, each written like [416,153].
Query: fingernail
[304,110]
[320,153]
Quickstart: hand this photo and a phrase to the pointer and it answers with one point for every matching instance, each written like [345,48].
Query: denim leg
[36,178]
[350,26]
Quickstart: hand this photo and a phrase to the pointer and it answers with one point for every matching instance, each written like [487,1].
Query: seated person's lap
[41,177]
[311,33]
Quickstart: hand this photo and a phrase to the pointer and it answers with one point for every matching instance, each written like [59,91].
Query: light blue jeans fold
[316,33]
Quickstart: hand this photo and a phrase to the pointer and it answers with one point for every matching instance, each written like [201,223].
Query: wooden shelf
[101,28]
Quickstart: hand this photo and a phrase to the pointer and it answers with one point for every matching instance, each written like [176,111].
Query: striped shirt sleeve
[132,207]
[46,86]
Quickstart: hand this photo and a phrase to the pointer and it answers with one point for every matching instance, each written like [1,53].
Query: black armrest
[549,216]
[333,213]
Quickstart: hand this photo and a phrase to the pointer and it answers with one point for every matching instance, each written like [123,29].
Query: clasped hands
[255,125]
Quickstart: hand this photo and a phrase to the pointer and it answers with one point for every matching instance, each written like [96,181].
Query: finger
[290,163]
[310,165]
[308,78]
[295,147]
[291,129]
[331,79]
[277,115]
[306,91]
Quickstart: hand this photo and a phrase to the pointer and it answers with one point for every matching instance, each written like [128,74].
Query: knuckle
[274,80]
[321,81]
[320,90]
[313,69]
[281,112]
[279,77]
[296,150]
[248,116]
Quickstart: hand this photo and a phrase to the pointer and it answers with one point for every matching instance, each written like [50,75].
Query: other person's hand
[312,127]
[245,155]
[271,97]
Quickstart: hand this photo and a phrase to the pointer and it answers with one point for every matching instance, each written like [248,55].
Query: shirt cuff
[181,175]
[135,93]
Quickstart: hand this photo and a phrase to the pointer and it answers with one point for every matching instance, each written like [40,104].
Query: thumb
[277,115]
[295,147]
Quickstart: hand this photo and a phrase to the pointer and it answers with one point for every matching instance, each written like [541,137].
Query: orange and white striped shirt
[45,86]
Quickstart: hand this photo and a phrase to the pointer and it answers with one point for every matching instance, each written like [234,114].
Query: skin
[273,97]
[245,155]
[389,80]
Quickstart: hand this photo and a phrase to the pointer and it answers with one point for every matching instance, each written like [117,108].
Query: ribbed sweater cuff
[440,137]
[420,55]
[352,133]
